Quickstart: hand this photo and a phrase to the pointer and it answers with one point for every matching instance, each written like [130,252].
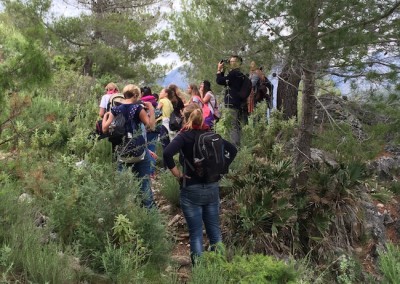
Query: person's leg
[164,138]
[211,214]
[152,138]
[193,213]
[143,169]
[193,217]
[235,128]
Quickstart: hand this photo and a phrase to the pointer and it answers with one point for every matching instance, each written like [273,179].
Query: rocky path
[177,228]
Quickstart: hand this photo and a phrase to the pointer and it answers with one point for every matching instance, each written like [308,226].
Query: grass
[170,188]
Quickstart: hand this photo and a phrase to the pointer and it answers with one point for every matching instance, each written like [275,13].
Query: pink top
[150,99]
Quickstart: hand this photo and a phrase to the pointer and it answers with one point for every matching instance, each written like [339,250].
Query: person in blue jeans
[135,111]
[199,200]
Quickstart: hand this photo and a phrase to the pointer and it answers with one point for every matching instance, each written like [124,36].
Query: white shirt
[104,100]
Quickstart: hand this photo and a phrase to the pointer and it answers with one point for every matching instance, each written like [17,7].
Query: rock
[387,219]
[359,250]
[81,164]
[174,220]
[41,220]
[334,109]
[384,167]
[25,197]
[181,260]
[320,157]
[166,208]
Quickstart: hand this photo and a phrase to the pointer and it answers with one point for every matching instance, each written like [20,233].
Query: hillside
[61,193]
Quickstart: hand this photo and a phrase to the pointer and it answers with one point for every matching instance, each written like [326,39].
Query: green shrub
[170,188]
[260,134]
[214,268]
[395,187]
[389,263]
[85,201]
[33,255]
[124,264]
[263,204]
[150,225]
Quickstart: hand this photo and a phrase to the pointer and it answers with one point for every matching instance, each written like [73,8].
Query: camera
[225,61]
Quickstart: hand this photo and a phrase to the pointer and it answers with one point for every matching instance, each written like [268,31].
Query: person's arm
[207,98]
[170,151]
[107,119]
[189,101]
[148,119]
[102,111]
[103,106]
[159,105]
[221,80]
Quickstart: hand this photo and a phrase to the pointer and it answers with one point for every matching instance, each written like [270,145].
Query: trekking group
[137,119]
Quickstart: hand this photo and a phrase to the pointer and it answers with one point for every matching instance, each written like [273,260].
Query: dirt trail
[177,229]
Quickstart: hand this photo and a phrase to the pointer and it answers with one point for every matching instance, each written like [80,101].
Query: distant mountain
[176,76]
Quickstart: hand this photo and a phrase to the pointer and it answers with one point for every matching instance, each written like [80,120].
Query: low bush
[389,263]
[213,267]
[170,188]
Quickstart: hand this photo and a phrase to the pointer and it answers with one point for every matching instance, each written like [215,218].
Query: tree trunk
[288,87]
[87,69]
[309,67]
[303,151]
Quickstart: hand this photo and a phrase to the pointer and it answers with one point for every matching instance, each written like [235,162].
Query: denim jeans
[200,203]
[152,138]
[143,170]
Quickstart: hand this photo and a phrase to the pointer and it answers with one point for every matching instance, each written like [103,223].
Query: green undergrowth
[214,267]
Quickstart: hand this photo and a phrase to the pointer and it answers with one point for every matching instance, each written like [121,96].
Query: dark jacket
[234,81]
[185,141]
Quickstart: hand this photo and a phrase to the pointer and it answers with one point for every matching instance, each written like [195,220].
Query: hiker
[151,135]
[199,199]
[135,114]
[209,98]
[234,104]
[166,107]
[178,92]
[195,97]
[111,89]
[175,119]
[261,87]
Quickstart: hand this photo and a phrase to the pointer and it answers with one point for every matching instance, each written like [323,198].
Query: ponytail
[193,117]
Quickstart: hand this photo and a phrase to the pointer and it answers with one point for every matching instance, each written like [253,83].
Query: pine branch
[365,22]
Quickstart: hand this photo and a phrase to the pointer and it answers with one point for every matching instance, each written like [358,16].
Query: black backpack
[246,87]
[175,121]
[208,156]
[117,127]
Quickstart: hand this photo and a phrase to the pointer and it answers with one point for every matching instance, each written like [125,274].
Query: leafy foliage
[254,268]
[389,263]
[170,188]
[24,63]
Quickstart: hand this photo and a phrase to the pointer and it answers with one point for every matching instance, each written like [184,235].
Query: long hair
[195,90]
[170,94]
[177,91]
[206,87]
[192,117]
